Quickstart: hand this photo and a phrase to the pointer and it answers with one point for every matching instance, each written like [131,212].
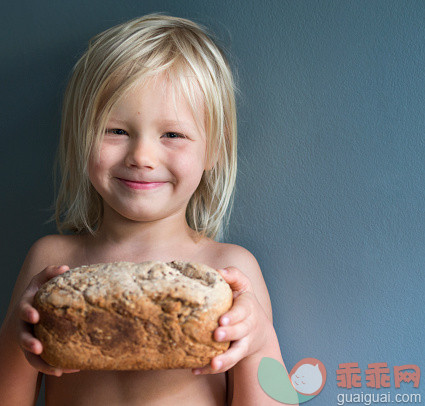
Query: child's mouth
[141,185]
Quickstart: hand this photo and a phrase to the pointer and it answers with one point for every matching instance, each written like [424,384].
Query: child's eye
[173,134]
[118,131]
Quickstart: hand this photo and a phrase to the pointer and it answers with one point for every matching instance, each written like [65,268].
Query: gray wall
[330,191]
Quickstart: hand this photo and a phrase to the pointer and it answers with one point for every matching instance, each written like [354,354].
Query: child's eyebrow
[117,120]
[181,123]
[174,122]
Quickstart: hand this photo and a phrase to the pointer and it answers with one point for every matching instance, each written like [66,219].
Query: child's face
[149,140]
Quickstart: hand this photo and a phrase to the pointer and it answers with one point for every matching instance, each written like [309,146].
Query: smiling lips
[141,185]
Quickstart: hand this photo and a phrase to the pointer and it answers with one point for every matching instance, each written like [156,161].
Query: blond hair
[115,61]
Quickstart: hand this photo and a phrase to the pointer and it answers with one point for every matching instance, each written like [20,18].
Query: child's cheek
[187,161]
[188,171]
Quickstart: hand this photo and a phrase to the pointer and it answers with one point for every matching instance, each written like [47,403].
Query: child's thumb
[49,273]
[237,280]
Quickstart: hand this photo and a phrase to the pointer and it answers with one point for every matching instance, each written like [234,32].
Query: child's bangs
[117,86]
[190,78]
[185,84]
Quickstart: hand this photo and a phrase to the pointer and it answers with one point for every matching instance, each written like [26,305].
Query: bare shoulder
[42,253]
[51,241]
[238,256]
[232,255]
[51,249]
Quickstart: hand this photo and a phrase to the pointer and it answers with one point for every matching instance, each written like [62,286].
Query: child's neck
[124,235]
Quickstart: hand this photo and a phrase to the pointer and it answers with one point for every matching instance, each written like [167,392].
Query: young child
[148,161]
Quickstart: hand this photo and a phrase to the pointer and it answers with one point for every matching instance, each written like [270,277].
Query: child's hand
[247,326]
[28,315]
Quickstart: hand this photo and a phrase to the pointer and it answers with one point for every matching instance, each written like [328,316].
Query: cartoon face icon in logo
[306,380]
[307,377]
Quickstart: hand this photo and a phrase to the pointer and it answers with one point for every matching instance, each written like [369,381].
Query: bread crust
[128,316]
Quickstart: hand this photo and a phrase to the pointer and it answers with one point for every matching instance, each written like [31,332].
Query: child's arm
[250,329]
[19,381]
[244,375]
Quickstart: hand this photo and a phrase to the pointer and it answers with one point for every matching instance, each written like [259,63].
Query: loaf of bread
[128,316]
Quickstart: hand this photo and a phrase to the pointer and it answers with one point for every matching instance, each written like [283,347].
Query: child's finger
[239,312]
[25,303]
[48,273]
[232,333]
[231,357]
[226,361]
[38,280]
[29,343]
[32,348]
[38,363]
[237,280]
[27,313]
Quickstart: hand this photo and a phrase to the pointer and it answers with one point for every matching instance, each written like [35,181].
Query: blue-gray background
[330,192]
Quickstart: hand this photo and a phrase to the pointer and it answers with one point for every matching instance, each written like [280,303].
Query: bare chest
[136,388]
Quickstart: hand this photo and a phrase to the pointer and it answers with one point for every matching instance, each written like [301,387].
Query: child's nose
[142,152]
